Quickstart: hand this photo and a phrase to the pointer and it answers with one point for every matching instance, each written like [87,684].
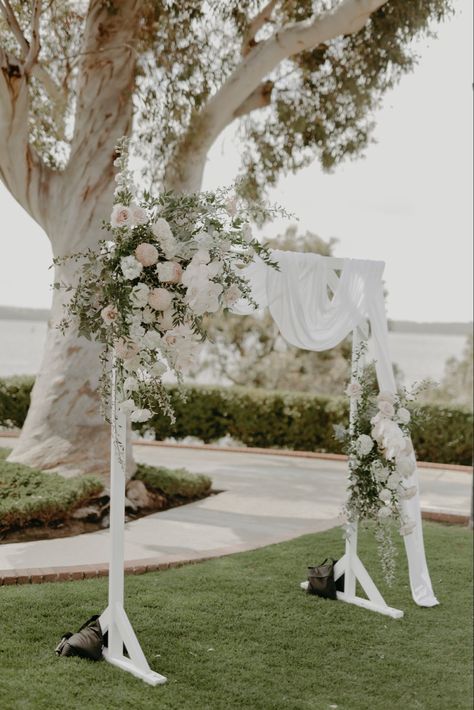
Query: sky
[408,202]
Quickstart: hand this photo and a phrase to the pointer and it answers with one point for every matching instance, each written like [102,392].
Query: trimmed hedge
[174,481]
[28,495]
[271,419]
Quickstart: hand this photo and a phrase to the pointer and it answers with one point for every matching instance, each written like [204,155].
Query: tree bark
[64,429]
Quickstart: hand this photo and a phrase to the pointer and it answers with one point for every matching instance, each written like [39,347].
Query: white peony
[403,415]
[141,415]
[162,230]
[204,299]
[364,445]
[139,295]
[131,268]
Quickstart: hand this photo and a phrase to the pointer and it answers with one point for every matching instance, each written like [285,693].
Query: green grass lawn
[237,632]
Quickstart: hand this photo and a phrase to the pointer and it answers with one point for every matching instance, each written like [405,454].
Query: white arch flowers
[144,292]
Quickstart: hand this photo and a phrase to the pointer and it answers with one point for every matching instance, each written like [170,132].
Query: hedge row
[271,419]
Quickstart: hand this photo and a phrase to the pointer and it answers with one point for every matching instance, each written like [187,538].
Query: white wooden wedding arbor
[316,302]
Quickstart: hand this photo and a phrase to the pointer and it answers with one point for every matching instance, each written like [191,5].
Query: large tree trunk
[64,429]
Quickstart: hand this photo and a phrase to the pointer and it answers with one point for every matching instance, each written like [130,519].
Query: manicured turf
[238,633]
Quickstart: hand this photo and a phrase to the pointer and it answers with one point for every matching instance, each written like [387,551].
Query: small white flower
[407,528]
[139,295]
[131,268]
[364,445]
[141,415]
[354,390]
[403,415]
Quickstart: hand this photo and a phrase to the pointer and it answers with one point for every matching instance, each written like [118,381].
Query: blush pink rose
[170,272]
[160,299]
[121,216]
[146,254]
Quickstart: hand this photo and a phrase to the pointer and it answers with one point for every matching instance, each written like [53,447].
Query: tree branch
[185,172]
[256,25]
[30,53]
[259,98]
[21,170]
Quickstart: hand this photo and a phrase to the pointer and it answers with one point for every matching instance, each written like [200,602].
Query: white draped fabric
[298,297]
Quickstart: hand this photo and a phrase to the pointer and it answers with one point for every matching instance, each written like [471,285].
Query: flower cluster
[143,294]
[381,459]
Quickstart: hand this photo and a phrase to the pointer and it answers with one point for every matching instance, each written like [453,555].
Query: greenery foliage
[279,419]
[238,633]
[28,495]
[174,481]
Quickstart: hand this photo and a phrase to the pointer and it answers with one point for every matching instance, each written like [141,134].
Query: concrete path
[264,499]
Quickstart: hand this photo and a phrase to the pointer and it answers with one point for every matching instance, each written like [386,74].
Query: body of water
[418,355]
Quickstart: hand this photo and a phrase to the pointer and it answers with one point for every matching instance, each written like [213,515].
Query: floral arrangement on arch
[381,459]
[143,294]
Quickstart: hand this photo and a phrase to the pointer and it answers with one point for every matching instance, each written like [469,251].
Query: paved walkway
[264,499]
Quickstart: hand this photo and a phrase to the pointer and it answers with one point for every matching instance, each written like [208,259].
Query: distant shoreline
[395,326]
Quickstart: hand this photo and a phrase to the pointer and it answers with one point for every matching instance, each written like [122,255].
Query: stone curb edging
[73,573]
[270,452]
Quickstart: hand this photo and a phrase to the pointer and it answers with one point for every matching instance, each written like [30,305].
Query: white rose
[148,315]
[169,272]
[215,268]
[379,471]
[364,445]
[165,320]
[393,482]
[146,254]
[385,495]
[152,340]
[232,295]
[121,216]
[162,230]
[139,295]
[139,215]
[403,415]
[141,415]
[109,314]
[130,384]
[158,368]
[131,268]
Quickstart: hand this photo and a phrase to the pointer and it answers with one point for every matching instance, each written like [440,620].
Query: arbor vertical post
[122,637]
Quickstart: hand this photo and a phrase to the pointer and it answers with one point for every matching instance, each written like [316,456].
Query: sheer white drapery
[298,297]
